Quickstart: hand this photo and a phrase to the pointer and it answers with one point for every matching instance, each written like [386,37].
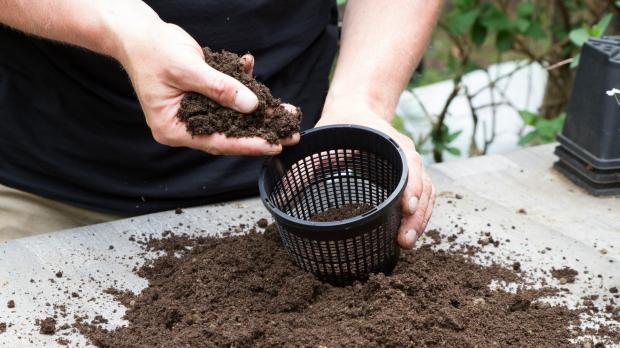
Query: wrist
[125,24]
[354,106]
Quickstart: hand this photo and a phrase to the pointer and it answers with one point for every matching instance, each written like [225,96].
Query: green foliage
[441,139]
[544,131]
[399,124]
[579,36]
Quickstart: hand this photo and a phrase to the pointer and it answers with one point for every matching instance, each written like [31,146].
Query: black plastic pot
[589,148]
[332,166]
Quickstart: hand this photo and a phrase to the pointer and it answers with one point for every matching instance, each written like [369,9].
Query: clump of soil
[47,326]
[564,275]
[262,223]
[244,291]
[2,328]
[345,211]
[204,116]
[10,304]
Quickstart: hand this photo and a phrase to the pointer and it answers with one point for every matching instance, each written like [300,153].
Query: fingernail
[413,204]
[245,100]
[411,237]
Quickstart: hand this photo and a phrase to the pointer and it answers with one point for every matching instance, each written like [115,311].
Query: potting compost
[243,291]
[204,116]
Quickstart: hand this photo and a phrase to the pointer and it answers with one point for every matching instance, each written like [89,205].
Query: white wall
[524,89]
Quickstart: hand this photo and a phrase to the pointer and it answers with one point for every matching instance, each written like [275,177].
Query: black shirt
[71,127]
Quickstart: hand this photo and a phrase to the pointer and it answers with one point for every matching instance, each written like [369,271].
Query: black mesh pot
[330,167]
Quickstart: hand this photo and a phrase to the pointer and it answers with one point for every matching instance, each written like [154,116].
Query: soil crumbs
[47,326]
[204,116]
[345,211]
[243,291]
[564,275]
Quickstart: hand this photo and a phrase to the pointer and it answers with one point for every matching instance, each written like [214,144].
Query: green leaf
[617,3]
[503,41]
[528,138]
[525,9]
[454,151]
[529,117]
[579,36]
[575,62]
[599,28]
[494,19]
[536,31]
[478,33]
[453,136]
[341,2]
[399,124]
[522,25]
[462,21]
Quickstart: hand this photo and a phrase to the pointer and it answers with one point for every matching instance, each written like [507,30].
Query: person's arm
[382,42]
[161,59]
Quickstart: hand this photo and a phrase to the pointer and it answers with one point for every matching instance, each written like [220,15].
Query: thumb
[222,88]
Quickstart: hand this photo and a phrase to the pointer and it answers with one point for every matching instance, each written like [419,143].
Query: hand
[419,195]
[165,63]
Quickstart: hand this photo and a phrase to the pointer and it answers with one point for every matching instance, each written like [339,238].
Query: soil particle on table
[10,304]
[270,121]
[564,275]
[262,223]
[345,211]
[243,291]
[59,274]
[2,328]
[63,341]
[46,326]
[178,211]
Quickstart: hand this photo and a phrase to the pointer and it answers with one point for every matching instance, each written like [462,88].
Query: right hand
[163,62]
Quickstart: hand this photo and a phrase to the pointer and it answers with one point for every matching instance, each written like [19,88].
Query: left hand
[419,196]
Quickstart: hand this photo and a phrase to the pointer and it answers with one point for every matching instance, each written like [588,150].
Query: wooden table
[560,225]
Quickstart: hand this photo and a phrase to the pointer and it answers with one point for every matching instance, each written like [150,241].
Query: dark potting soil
[564,275]
[342,212]
[10,304]
[243,291]
[2,328]
[47,326]
[204,116]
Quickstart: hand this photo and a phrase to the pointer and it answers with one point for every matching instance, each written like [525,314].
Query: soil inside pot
[204,116]
[345,211]
[244,291]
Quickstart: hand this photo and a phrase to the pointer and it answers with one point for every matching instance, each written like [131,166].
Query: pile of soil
[345,211]
[244,291]
[204,116]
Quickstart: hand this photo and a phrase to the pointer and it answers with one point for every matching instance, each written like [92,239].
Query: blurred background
[497,74]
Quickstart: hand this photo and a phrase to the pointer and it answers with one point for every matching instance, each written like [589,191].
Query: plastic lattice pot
[331,167]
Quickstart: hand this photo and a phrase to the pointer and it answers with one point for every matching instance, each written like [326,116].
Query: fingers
[415,186]
[413,225]
[292,140]
[247,60]
[220,87]
[216,144]
[429,209]
[220,144]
